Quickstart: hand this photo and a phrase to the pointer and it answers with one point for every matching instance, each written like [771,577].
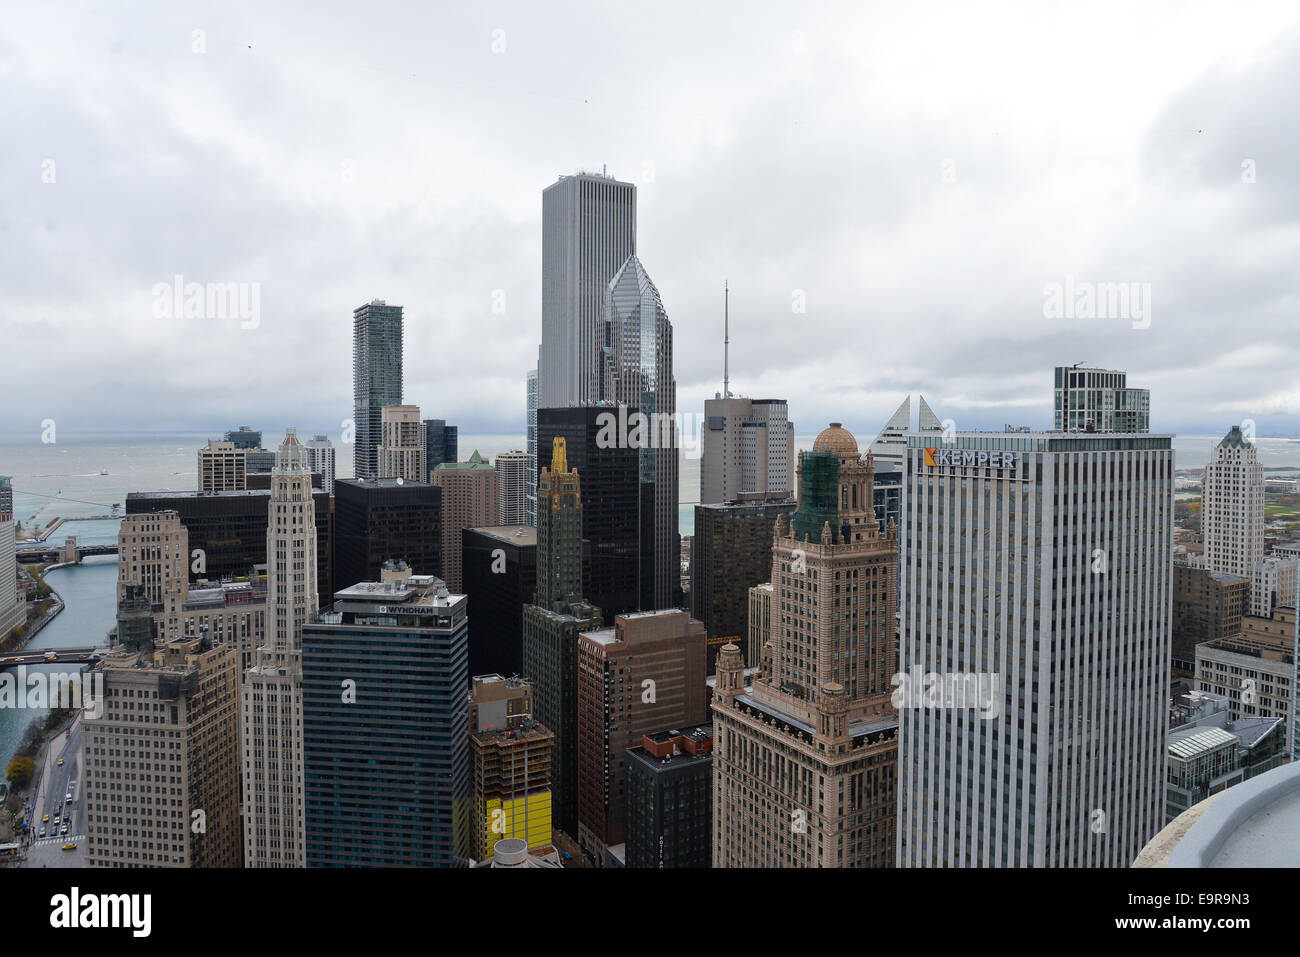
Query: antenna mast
[726,339]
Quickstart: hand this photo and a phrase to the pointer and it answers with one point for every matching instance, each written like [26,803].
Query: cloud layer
[916,177]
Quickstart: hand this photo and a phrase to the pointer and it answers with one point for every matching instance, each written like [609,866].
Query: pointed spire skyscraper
[272,699]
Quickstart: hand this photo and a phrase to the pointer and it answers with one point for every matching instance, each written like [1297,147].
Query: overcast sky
[916,176]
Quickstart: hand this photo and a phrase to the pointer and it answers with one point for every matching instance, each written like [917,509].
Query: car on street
[60,762]
[70,847]
[46,819]
[42,831]
[64,829]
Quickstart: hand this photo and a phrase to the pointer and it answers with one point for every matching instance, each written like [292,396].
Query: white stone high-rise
[272,699]
[512,488]
[1232,507]
[320,459]
[747,450]
[1036,582]
[13,608]
[402,449]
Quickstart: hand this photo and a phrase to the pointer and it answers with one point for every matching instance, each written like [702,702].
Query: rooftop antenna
[726,339]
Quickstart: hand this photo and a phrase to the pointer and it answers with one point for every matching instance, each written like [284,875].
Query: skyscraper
[222,467]
[804,764]
[440,441]
[376,378]
[272,706]
[499,566]
[616,519]
[469,500]
[730,554]
[385,737]
[552,624]
[530,427]
[402,451]
[512,488]
[1232,507]
[13,609]
[747,450]
[381,519]
[320,460]
[644,674]
[588,233]
[637,373]
[228,531]
[1099,400]
[168,726]
[890,446]
[1037,590]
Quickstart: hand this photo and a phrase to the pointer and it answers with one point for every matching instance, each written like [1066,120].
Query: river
[89,596]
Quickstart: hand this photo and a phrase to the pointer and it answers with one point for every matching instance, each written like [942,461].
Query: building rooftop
[524,535]
[1190,742]
[387,482]
[476,462]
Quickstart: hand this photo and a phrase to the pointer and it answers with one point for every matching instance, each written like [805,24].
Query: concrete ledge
[1227,811]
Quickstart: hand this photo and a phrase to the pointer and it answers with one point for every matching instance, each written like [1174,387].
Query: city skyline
[571,437]
[906,237]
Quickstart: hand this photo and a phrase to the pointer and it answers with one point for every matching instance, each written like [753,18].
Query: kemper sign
[979,458]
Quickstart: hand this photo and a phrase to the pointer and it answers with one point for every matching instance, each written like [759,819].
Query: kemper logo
[979,458]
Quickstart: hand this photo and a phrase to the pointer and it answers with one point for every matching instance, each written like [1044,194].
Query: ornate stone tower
[822,710]
[272,706]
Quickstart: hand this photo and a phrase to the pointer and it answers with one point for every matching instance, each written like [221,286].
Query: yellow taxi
[46,819]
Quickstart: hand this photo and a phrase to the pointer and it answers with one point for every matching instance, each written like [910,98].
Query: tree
[20,771]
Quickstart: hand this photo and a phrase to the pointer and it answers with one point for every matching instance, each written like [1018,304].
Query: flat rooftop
[514,534]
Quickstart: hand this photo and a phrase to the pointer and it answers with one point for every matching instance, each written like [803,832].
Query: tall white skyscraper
[747,450]
[530,426]
[1036,584]
[1232,507]
[13,609]
[588,233]
[512,485]
[320,459]
[272,706]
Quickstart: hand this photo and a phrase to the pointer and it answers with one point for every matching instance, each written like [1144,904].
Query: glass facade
[386,739]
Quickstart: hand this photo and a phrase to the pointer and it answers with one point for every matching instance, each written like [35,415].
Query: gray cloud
[336,154]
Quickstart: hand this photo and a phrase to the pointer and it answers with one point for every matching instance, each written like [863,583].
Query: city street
[59,781]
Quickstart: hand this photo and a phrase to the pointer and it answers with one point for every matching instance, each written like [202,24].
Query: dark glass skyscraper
[376,377]
[616,511]
[382,519]
[385,727]
[439,443]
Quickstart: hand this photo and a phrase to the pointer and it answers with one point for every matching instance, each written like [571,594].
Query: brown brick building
[644,675]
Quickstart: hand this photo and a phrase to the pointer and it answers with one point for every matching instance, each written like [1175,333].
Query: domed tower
[836,485]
